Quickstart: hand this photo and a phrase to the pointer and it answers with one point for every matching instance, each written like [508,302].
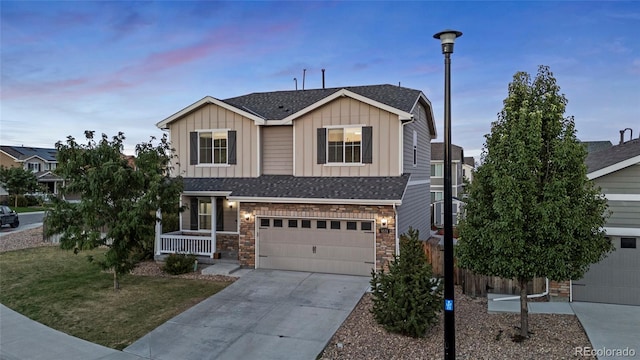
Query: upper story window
[345,145]
[33,166]
[212,147]
[437,170]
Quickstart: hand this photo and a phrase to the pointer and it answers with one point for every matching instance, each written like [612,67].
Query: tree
[531,211]
[118,200]
[18,181]
[407,299]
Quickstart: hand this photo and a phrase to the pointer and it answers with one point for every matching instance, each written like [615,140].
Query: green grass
[66,292]
[29,209]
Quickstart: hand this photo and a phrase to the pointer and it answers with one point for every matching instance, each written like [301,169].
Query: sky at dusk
[110,66]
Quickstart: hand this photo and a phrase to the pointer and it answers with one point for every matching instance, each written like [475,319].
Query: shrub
[406,299]
[177,264]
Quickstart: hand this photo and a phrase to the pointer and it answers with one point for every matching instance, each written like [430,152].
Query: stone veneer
[385,242]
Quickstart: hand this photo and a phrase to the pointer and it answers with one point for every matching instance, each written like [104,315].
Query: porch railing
[175,242]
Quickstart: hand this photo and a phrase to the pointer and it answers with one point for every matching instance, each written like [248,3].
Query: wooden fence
[475,284]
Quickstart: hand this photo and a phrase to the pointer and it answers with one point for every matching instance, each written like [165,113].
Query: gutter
[545,293]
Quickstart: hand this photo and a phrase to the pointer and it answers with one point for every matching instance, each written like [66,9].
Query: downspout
[570,290]
[545,293]
[395,212]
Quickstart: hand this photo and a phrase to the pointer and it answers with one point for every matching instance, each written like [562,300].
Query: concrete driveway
[266,314]
[610,328]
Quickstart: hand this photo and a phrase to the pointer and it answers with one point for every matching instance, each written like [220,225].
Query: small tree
[407,299]
[531,211]
[18,181]
[118,201]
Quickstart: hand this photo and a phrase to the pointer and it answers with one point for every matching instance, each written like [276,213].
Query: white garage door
[317,245]
[614,280]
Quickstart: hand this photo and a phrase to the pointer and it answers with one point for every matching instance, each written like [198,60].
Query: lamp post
[447,38]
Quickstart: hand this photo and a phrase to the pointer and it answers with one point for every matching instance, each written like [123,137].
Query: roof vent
[622,135]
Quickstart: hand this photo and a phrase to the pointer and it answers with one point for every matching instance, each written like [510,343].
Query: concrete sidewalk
[266,314]
[22,338]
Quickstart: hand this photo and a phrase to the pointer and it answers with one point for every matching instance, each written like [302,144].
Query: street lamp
[447,38]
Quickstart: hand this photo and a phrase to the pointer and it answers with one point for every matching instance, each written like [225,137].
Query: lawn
[29,209]
[66,292]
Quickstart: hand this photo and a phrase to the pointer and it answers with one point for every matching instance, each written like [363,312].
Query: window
[277,222]
[204,214]
[344,145]
[335,225]
[33,166]
[264,222]
[293,223]
[352,225]
[627,243]
[321,224]
[437,170]
[436,196]
[365,226]
[212,147]
[415,148]
[306,224]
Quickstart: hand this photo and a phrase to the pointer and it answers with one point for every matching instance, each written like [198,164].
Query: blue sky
[71,66]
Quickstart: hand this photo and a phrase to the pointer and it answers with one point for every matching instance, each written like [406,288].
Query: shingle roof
[286,186]
[278,105]
[22,152]
[593,146]
[437,151]
[613,155]
[469,160]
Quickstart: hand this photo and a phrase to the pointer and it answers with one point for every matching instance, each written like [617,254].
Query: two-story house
[616,279]
[468,166]
[41,161]
[318,180]
[437,181]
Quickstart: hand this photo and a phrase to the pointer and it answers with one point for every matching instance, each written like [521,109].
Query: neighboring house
[616,279]
[437,171]
[314,180]
[594,146]
[468,165]
[41,161]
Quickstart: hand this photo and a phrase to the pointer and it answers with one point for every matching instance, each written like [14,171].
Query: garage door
[317,245]
[614,280]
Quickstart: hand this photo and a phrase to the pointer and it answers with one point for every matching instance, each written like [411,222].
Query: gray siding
[420,125]
[625,181]
[624,214]
[415,210]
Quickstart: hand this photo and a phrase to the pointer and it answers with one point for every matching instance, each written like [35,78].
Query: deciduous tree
[118,201]
[18,181]
[531,211]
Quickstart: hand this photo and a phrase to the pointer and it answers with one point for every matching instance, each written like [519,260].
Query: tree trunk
[15,197]
[116,284]
[524,310]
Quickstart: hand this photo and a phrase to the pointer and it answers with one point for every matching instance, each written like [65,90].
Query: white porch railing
[175,242]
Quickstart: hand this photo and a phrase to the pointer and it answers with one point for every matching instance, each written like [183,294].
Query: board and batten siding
[415,210]
[347,111]
[214,117]
[421,127]
[277,150]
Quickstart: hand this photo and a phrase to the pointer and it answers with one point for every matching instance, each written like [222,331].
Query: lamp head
[447,38]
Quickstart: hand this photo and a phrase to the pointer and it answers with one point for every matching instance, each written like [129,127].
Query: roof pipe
[323,78]
[304,75]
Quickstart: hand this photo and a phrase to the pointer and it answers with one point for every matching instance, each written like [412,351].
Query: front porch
[199,244]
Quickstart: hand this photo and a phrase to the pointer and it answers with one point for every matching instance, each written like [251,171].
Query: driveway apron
[266,314]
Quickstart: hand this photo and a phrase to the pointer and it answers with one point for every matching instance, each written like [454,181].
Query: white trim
[211,165]
[618,231]
[344,149]
[622,197]
[615,167]
[435,176]
[204,101]
[418,182]
[212,132]
[345,164]
[293,167]
[206,193]
[281,200]
[259,147]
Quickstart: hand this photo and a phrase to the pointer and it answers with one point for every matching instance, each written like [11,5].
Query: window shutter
[231,140]
[367,145]
[193,148]
[194,213]
[322,145]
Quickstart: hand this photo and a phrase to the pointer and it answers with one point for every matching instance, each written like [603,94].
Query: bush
[407,299]
[177,264]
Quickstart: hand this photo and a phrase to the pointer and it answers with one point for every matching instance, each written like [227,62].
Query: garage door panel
[316,265]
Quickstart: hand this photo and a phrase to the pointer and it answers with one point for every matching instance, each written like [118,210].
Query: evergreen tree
[531,211]
[407,299]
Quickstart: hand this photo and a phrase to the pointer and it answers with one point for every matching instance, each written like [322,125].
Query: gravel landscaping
[479,335]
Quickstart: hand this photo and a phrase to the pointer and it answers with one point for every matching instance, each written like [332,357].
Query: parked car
[8,217]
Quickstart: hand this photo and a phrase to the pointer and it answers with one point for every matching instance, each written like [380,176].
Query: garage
[614,280]
[336,246]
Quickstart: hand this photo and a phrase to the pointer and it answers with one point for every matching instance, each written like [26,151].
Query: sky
[111,66]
